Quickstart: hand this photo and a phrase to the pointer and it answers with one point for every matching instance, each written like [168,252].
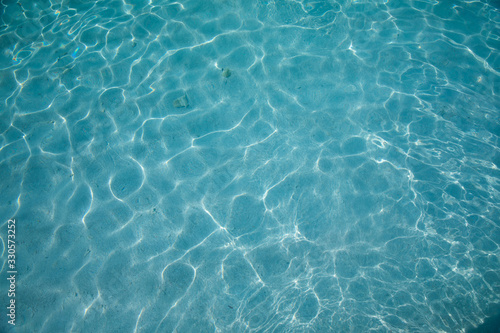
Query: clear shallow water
[343,178]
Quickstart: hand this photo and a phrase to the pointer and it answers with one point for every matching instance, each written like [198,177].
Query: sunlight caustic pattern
[251,166]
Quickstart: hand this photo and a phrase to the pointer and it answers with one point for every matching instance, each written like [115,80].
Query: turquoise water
[251,166]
